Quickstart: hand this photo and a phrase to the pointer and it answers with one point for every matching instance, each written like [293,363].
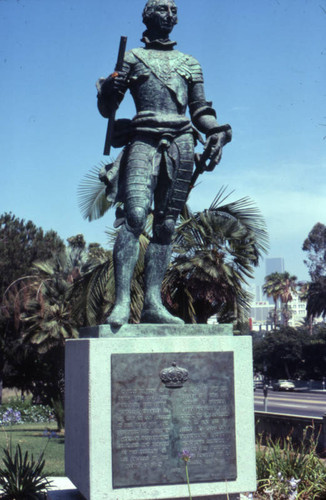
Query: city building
[298,310]
[261,313]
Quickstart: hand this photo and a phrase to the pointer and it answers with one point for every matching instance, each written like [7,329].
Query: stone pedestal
[127,421]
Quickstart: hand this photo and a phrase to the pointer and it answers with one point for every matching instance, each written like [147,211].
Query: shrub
[21,477]
[280,465]
[29,413]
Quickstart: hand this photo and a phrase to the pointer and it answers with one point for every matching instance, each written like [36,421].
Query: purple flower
[11,417]
[50,434]
[185,455]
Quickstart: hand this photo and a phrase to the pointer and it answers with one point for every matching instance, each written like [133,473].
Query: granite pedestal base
[127,421]
[73,495]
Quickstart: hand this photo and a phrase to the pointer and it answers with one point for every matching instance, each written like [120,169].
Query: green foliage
[93,293]
[315,245]
[215,251]
[314,356]
[59,412]
[280,353]
[21,244]
[92,195]
[21,477]
[280,461]
[28,411]
[316,303]
[39,311]
[291,353]
[281,286]
[34,437]
[24,366]
[241,328]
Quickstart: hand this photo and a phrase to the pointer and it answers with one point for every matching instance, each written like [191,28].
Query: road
[293,403]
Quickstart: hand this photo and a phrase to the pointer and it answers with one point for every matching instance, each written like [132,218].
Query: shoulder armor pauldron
[190,69]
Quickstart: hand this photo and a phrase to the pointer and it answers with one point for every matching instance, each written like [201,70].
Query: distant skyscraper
[259,293]
[274,265]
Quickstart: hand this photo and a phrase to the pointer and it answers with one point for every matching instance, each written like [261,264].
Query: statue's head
[160,16]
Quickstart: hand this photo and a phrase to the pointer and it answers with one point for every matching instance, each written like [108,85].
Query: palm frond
[245,212]
[316,304]
[92,199]
[238,225]
[89,293]
[220,198]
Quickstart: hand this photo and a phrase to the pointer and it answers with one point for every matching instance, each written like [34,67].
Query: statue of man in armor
[154,170]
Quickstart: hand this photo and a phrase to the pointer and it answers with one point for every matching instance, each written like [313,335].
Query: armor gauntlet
[111,91]
[203,117]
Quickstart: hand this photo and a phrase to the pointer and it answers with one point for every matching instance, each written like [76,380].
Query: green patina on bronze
[155,169]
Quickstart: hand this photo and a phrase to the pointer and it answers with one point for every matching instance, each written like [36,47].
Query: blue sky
[264,69]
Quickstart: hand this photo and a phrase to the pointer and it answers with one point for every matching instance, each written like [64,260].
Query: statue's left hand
[213,150]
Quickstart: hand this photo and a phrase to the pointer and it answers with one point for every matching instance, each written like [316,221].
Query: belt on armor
[159,124]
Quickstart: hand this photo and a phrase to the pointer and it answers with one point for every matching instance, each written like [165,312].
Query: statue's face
[163,16]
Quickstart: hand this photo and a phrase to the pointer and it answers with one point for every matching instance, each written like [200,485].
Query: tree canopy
[21,244]
[316,304]
[279,353]
[215,251]
[315,246]
[291,353]
[281,286]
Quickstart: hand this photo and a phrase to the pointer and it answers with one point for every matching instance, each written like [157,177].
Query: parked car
[283,385]
[258,384]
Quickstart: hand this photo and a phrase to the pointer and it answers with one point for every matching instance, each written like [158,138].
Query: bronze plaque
[164,403]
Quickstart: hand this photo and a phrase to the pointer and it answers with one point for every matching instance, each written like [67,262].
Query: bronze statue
[156,164]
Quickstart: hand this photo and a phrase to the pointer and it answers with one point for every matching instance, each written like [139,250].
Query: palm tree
[303,294]
[13,305]
[281,286]
[49,320]
[48,316]
[215,252]
[272,289]
[288,287]
[93,293]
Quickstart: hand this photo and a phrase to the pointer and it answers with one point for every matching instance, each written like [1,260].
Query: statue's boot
[156,261]
[125,255]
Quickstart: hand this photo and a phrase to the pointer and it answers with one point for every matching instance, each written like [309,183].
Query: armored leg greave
[125,256]
[156,261]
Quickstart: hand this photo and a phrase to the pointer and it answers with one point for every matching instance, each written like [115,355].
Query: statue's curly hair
[149,9]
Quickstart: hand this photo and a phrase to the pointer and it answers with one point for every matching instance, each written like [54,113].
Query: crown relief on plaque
[174,376]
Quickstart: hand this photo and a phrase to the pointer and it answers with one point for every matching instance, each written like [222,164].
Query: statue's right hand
[115,83]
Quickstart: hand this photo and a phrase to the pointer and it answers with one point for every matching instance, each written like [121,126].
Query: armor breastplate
[155,70]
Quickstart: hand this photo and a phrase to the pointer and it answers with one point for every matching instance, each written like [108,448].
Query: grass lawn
[31,439]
